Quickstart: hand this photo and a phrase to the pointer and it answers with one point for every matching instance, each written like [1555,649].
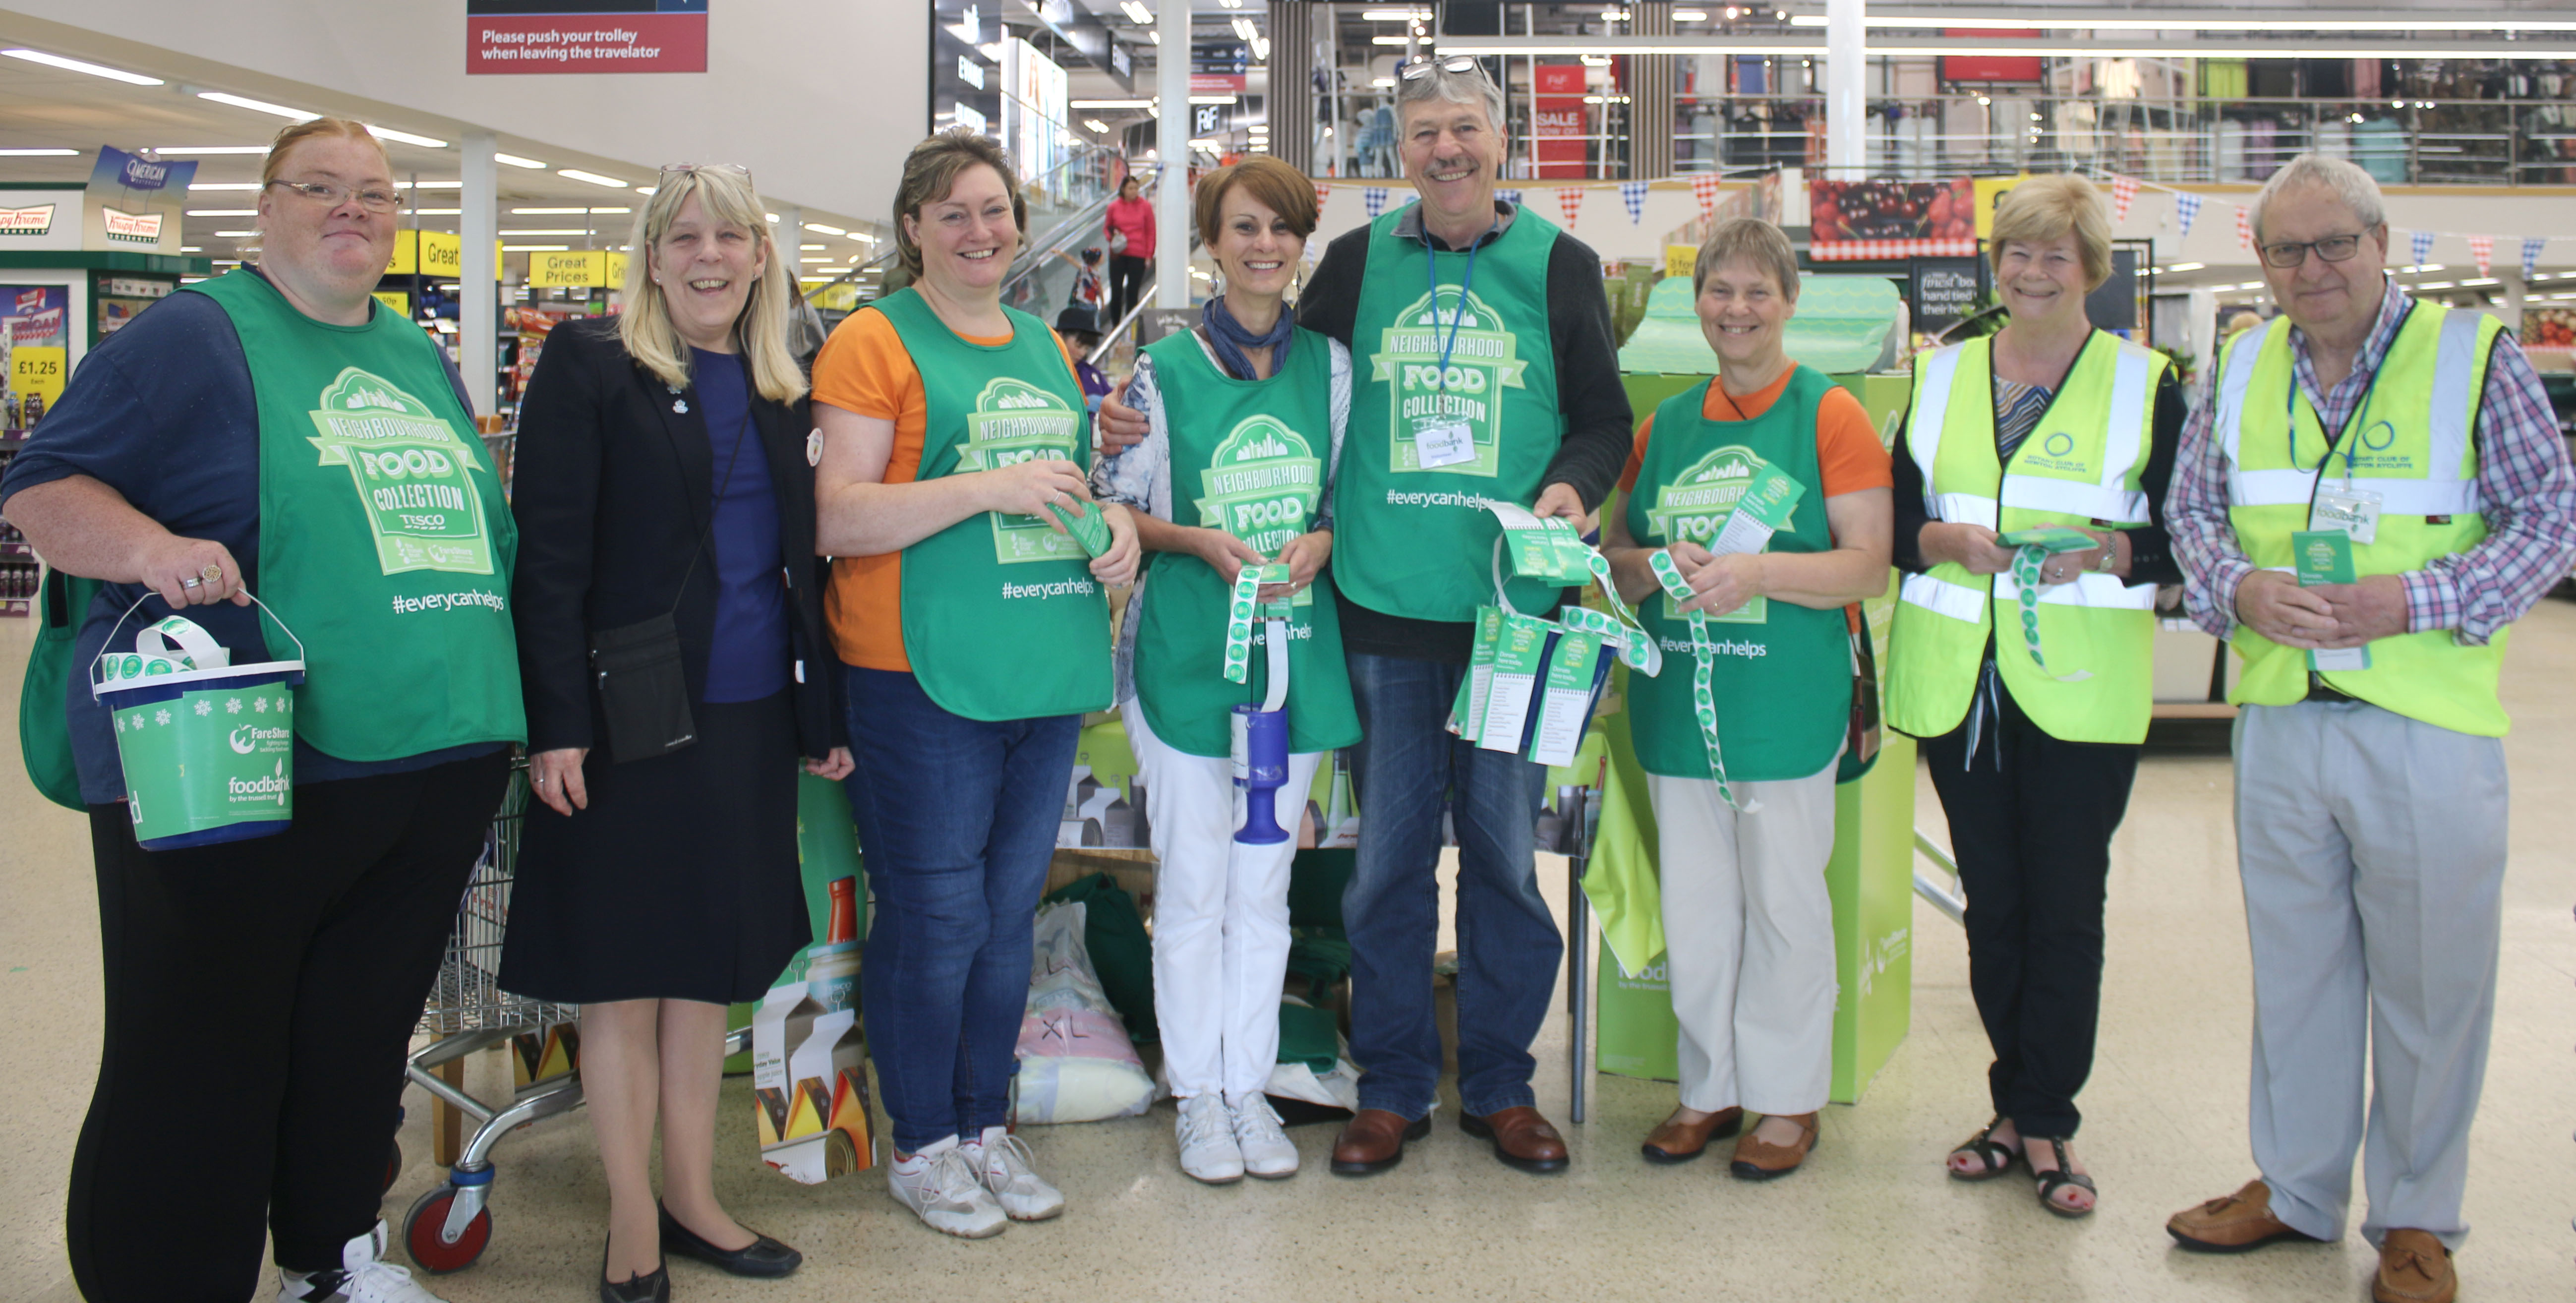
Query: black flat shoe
[763,1258]
[652,1287]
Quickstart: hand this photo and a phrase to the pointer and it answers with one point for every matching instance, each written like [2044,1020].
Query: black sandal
[1994,1157]
[2065,1176]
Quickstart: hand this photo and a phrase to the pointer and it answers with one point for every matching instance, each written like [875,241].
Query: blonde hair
[2045,207]
[930,174]
[297,133]
[761,329]
[1753,241]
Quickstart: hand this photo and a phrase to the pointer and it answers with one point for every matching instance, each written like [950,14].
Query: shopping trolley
[449,1227]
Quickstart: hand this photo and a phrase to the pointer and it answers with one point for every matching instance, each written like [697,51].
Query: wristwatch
[2110,558]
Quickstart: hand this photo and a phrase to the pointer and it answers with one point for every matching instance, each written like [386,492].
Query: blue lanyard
[1465,279]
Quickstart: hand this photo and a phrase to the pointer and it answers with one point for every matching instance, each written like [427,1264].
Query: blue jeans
[957,820]
[1407,762]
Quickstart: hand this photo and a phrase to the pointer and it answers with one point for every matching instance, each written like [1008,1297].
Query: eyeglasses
[1456,63]
[2333,248]
[729,169]
[374,201]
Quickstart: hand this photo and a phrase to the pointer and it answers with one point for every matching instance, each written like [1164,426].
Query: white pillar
[478,300]
[1172,189]
[1846,84]
[789,232]
[2515,290]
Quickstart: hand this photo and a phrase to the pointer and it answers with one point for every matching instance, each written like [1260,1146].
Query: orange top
[1848,455]
[864,368]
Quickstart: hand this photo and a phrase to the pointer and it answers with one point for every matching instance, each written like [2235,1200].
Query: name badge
[2353,511]
[1443,445]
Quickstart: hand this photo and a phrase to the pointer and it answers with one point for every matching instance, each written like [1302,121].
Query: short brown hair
[2046,207]
[298,132]
[930,172]
[1280,187]
[1749,240]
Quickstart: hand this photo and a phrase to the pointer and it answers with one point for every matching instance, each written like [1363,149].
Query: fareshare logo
[245,739]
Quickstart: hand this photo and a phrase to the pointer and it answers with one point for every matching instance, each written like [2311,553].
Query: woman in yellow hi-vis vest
[2028,674]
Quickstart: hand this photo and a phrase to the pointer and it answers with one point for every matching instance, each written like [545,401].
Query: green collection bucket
[208,747]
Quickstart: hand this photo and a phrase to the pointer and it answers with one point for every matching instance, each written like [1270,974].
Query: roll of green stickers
[1239,613]
[1704,658]
[2029,555]
[1090,529]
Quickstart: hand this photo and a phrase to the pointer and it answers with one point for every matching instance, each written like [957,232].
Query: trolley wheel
[427,1218]
[393,1167]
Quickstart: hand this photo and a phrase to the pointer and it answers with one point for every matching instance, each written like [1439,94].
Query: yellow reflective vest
[2410,443]
[2080,467]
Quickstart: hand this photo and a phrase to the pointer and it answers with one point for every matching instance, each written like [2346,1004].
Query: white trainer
[363,1277]
[1268,1153]
[946,1195]
[1003,1163]
[1208,1151]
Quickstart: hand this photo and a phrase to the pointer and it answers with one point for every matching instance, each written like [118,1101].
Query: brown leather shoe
[2413,1268]
[1676,1141]
[1373,1141]
[1521,1138]
[2235,1224]
[1757,1159]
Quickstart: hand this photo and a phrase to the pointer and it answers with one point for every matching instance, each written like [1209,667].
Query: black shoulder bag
[636,668]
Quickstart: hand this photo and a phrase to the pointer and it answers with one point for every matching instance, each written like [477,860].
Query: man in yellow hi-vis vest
[2374,489]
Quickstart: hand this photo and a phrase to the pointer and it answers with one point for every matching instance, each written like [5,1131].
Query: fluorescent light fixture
[2203,21]
[2187,266]
[1088,124]
[439,212]
[516,161]
[257,106]
[39,153]
[75,65]
[1139,14]
[211,149]
[2437,285]
[406,138]
[643,190]
[1111,104]
[1396,15]
[827,230]
[826,261]
[1261,49]
[236,235]
[811,248]
[1390,40]
[2483,280]
[2428,267]
[592,177]
[192,248]
[1690,15]
[1215,99]
[223,212]
[223,185]
[1381,81]
[771,216]
[1243,28]
[862,235]
[1157,34]
[552,230]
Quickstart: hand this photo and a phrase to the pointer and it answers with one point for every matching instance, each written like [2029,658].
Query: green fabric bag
[1114,932]
[1310,1036]
[44,728]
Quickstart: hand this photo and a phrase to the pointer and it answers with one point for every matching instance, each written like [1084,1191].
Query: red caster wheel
[424,1233]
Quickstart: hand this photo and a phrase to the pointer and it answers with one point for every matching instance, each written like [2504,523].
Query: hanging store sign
[585,36]
[1557,122]
[1891,219]
[133,201]
[576,267]
[38,220]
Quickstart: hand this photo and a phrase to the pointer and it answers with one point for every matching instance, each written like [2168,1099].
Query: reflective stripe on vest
[2425,396]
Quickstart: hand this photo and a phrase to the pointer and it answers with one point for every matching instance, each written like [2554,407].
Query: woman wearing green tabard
[1748,925]
[974,632]
[1247,413]
[243,436]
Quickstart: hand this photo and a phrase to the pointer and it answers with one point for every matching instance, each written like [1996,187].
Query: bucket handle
[105,651]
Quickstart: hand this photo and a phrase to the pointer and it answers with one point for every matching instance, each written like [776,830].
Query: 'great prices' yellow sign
[576,267]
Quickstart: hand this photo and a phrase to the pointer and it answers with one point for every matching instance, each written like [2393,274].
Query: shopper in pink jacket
[1132,216]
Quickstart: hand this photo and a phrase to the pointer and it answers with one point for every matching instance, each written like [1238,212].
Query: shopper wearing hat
[1079,327]
[1748,923]
[2031,724]
[2370,765]
[974,633]
[1247,413]
[267,988]
[663,484]
[1467,286]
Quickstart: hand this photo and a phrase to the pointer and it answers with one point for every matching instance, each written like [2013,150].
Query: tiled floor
[1870,1219]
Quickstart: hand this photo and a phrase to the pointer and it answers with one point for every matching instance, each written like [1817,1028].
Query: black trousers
[260,1000]
[1126,285]
[2030,826]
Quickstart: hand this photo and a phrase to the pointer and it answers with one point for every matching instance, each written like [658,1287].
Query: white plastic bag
[1076,1063]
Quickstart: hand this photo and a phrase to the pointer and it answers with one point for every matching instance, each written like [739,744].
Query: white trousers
[1749,940]
[1220,916]
[2373,852]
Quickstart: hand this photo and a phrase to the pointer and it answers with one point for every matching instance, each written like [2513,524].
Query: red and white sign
[585,43]
[1216,83]
[1558,121]
[27,221]
[132,228]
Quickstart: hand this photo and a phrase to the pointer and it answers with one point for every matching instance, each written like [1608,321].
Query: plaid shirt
[2525,484]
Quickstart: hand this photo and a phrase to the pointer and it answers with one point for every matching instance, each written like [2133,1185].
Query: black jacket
[612,489]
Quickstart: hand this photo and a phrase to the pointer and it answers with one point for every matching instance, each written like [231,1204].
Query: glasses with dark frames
[2290,253]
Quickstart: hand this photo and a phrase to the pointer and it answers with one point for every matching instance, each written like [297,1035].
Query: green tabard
[384,541]
[1248,457]
[1782,683]
[1001,617]
[1415,541]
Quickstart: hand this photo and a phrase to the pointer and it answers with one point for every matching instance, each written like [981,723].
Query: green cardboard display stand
[827,849]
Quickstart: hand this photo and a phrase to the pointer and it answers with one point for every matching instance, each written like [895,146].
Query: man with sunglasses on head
[1492,374]
[2374,490]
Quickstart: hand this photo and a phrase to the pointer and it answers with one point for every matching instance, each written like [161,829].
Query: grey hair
[1472,87]
[2340,177]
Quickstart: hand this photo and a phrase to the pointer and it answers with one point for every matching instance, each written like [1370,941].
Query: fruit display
[2549,327]
[1841,211]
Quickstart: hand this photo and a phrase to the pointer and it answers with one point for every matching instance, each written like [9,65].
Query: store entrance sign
[585,36]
